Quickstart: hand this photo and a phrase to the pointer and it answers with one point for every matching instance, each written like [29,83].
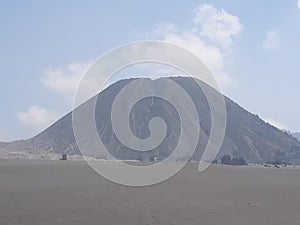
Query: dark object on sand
[64,157]
[227,160]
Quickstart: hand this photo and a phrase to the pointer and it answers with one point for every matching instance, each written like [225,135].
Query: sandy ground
[56,192]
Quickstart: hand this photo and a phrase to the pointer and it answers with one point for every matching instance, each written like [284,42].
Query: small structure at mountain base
[64,157]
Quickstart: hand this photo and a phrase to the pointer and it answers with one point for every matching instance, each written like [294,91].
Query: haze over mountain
[2,144]
[296,135]
[246,134]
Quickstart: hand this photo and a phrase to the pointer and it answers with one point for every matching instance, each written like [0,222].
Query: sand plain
[71,193]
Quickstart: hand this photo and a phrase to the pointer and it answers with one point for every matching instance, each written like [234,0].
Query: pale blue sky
[43,44]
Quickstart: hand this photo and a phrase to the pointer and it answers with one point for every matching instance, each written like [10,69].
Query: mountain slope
[246,134]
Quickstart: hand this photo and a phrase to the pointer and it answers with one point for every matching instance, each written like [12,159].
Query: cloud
[218,26]
[272,40]
[298,4]
[64,80]
[277,124]
[37,118]
[210,38]
[210,54]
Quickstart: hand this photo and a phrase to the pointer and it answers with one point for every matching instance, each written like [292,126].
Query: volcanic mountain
[246,134]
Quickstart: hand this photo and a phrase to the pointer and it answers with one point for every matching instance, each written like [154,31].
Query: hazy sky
[252,47]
